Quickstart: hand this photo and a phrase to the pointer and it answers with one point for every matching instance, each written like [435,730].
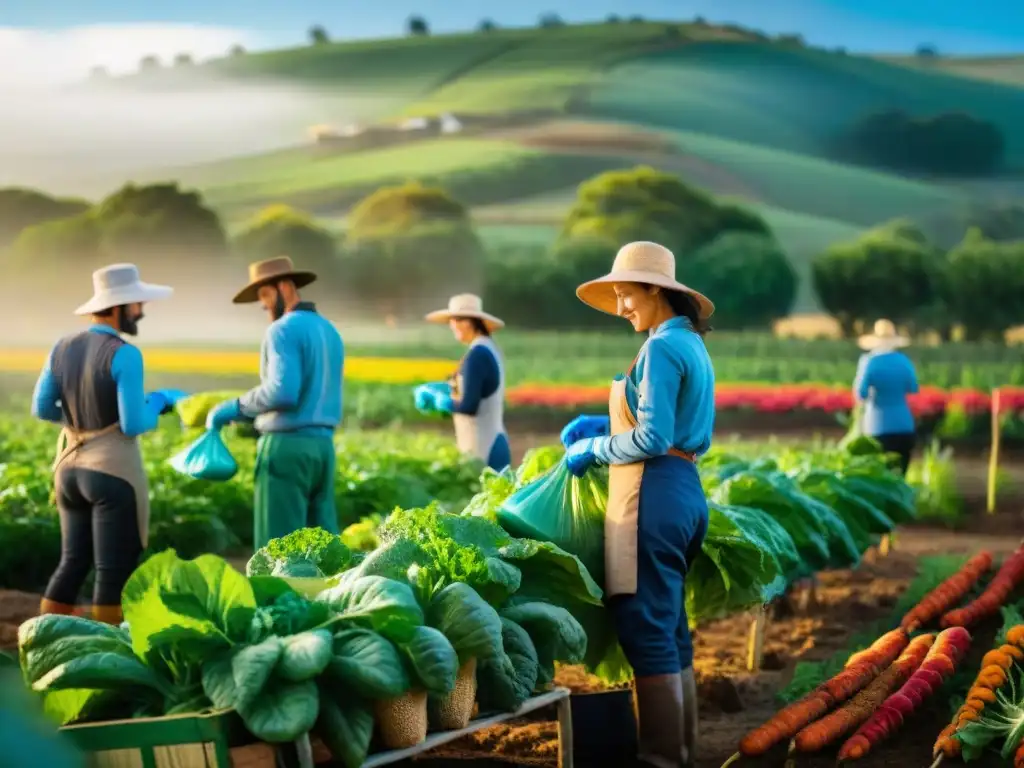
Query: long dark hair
[684,305]
[478,325]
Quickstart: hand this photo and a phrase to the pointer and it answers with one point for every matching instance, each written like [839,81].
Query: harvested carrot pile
[860,670]
[948,650]
[820,734]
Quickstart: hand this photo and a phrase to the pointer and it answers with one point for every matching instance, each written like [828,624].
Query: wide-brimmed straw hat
[884,337]
[466,305]
[640,262]
[119,284]
[270,271]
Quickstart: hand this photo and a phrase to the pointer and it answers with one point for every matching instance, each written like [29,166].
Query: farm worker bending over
[661,416]
[885,376]
[475,395]
[296,407]
[92,384]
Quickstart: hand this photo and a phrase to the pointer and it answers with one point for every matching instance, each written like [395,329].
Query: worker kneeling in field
[885,376]
[92,384]
[475,395]
[661,415]
[296,408]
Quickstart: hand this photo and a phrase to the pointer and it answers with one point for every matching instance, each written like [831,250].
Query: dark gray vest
[88,392]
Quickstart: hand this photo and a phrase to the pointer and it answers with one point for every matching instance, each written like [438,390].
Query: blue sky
[980,26]
[57,41]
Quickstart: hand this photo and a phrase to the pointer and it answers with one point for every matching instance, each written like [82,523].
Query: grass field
[324,182]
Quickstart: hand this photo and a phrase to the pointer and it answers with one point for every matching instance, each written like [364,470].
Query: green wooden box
[214,740]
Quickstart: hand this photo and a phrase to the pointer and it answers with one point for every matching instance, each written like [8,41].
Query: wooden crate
[215,740]
[435,742]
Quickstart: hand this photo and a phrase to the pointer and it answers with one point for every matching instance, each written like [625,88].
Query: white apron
[475,435]
[623,513]
[108,451]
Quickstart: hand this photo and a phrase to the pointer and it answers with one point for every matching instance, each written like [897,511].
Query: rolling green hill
[734,112]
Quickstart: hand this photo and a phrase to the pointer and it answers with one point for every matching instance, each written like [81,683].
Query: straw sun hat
[466,305]
[120,284]
[270,271]
[640,262]
[884,337]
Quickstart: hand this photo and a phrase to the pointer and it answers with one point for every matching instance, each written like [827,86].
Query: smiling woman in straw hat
[475,395]
[92,384]
[296,408]
[885,376]
[661,414]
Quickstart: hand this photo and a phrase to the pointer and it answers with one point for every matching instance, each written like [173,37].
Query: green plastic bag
[208,458]
[565,510]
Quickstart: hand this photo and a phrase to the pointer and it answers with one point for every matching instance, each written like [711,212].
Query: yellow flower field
[386,370]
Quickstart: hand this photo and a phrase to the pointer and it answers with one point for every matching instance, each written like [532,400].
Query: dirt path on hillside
[632,145]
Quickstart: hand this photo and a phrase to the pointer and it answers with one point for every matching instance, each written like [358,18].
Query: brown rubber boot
[52,606]
[659,715]
[108,614]
[689,718]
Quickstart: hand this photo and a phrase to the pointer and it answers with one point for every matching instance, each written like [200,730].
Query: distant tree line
[896,271]
[951,144]
[404,245]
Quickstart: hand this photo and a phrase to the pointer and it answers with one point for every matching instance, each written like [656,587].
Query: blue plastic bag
[566,510]
[208,458]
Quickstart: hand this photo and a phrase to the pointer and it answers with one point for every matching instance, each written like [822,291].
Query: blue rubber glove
[159,399]
[580,456]
[425,395]
[583,427]
[223,414]
[443,402]
[171,397]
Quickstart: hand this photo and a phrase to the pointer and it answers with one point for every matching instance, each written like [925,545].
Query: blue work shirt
[481,377]
[675,407]
[300,373]
[884,379]
[136,412]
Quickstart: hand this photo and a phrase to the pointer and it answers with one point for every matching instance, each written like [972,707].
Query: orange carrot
[948,593]
[855,676]
[1007,579]
[982,691]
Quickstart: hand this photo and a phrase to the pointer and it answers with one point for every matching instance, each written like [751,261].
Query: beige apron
[623,513]
[108,451]
[475,435]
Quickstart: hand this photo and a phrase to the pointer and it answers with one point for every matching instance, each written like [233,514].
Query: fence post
[993,456]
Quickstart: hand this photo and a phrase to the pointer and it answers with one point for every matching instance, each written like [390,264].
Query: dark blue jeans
[673,520]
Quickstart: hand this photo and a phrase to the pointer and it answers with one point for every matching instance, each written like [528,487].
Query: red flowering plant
[930,405]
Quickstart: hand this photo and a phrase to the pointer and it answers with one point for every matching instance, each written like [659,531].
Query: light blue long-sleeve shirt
[300,373]
[136,412]
[672,392]
[884,379]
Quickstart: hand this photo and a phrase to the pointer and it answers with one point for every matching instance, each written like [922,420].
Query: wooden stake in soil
[755,646]
[885,545]
[993,457]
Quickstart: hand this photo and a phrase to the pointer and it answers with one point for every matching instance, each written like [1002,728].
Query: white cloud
[30,57]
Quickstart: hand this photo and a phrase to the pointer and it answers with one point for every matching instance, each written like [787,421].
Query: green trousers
[294,485]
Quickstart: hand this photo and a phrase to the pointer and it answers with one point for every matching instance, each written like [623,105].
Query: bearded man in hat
[92,384]
[296,408]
